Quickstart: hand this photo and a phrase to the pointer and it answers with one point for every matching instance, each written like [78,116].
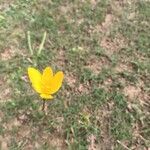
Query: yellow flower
[45,84]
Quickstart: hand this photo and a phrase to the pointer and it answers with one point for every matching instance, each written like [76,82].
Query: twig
[42,44]
[123,145]
[29,43]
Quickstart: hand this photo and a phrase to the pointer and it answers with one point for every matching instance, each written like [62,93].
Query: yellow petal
[46,96]
[35,78]
[46,80]
[47,73]
[56,82]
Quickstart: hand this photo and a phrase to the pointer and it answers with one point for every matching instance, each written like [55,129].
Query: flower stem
[43,105]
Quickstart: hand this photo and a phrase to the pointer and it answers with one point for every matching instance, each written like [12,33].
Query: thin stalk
[29,43]
[43,105]
[42,44]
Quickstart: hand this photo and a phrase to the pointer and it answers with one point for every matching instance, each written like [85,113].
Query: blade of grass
[29,43]
[42,44]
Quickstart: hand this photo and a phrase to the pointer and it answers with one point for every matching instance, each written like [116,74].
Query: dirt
[3,143]
[106,25]
[113,45]
[13,123]
[93,2]
[4,5]
[23,137]
[132,92]
[137,92]
[65,8]
[5,90]
[122,67]
[106,84]
[103,119]
[57,142]
[83,88]
[60,59]
[70,79]
[7,54]
[144,98]
[91,139]
[139,141]
[96,64]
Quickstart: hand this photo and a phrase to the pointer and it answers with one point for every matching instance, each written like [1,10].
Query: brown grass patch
[60,58]
[70,79]
[121,67]
[3,143]
[103,119]
[132,92]
[7,54]
[4,5]
[57,142]
[96,64]
[24,132]
[113,45]
[93,2]
[106,25]
[106,84]
[137,92]
[92,142]
[84,88]
[5,90]
[139,137]
[116,44]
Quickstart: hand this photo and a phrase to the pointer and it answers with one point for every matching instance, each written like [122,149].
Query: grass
[104,54]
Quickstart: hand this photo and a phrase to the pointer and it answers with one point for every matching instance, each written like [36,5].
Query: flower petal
[47,73]
[35,78]
[56,82]
[46,96]
[46,80]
